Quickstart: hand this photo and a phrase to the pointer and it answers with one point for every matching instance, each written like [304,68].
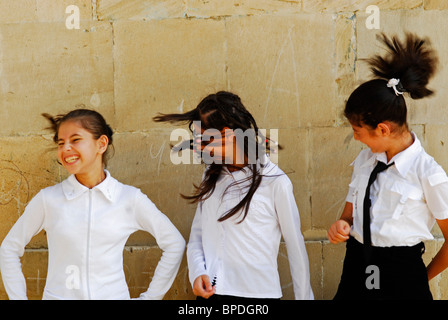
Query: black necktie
[367,203]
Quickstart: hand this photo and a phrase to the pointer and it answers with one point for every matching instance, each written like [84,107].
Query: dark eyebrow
[73,135]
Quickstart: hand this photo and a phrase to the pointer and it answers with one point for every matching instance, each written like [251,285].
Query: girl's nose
[67,147]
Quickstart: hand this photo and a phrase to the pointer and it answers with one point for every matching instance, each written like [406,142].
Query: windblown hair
[413,62]
[217,111]
[90,120]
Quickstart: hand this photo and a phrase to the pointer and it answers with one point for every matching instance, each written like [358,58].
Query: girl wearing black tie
[398,192]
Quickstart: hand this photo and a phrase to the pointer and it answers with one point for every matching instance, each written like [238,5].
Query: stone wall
[293,63]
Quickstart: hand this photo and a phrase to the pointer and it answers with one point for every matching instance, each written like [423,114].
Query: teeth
[71,159]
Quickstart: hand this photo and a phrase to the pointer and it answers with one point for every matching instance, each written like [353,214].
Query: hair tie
[393,84]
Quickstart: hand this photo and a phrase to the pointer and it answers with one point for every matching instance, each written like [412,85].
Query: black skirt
[385,273]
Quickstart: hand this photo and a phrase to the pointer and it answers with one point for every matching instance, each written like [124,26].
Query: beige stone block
[34,268]
[19,11]
[165,66]
[357,5]
[139,264]
[51,11]
[27,165]
[295,160]
[139,9]
[314,250]
[333,150]
[430,110]
[143,161]
[333,258]
[284,76]
[285,273]
[181,288]
[435,5]
[391,23]
[48,68]
[316,259]
[345,45]
[345,56]
[217,8]
[436,143]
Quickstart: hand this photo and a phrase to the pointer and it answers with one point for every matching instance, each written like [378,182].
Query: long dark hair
[217,111]
[412,62]
[90,120]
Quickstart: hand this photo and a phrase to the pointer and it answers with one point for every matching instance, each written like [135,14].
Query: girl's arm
[168,239]
[13,247]
[435,189]
[197,271]
[340,230]
[440,261]
[289,220]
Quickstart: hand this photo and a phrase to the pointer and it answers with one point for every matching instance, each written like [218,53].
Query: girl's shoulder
[427,167]
[274,175]
[364,156]
[120,190]
[53,190]
[127,192]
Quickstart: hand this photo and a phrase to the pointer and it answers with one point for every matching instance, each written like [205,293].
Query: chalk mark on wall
[14,186]
[158,155]
[287,42]
[38,280]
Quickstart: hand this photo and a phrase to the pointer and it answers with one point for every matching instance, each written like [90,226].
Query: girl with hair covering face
[245,205]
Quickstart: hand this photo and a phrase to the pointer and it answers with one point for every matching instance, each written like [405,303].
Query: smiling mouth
[71,159]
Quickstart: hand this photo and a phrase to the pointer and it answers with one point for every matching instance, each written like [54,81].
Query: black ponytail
[413,62]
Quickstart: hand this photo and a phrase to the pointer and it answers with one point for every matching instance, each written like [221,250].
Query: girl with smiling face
[88,219]
[398,192]
[81,154]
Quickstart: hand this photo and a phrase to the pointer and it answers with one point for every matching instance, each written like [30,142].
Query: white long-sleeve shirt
[406,198]
[87,230]
[242,257]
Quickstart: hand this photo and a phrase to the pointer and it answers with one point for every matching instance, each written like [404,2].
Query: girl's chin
[74,172]
[71,169]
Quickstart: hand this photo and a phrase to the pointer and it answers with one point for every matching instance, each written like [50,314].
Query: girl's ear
[103,143]
[384,128]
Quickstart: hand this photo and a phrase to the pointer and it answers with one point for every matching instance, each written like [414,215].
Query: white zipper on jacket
[88,245]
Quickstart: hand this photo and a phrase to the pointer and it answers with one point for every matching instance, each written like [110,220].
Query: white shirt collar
[73,189]
[263,162]
[403,160]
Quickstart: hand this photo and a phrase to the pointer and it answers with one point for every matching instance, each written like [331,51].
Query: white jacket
[87,230]
[241,258]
